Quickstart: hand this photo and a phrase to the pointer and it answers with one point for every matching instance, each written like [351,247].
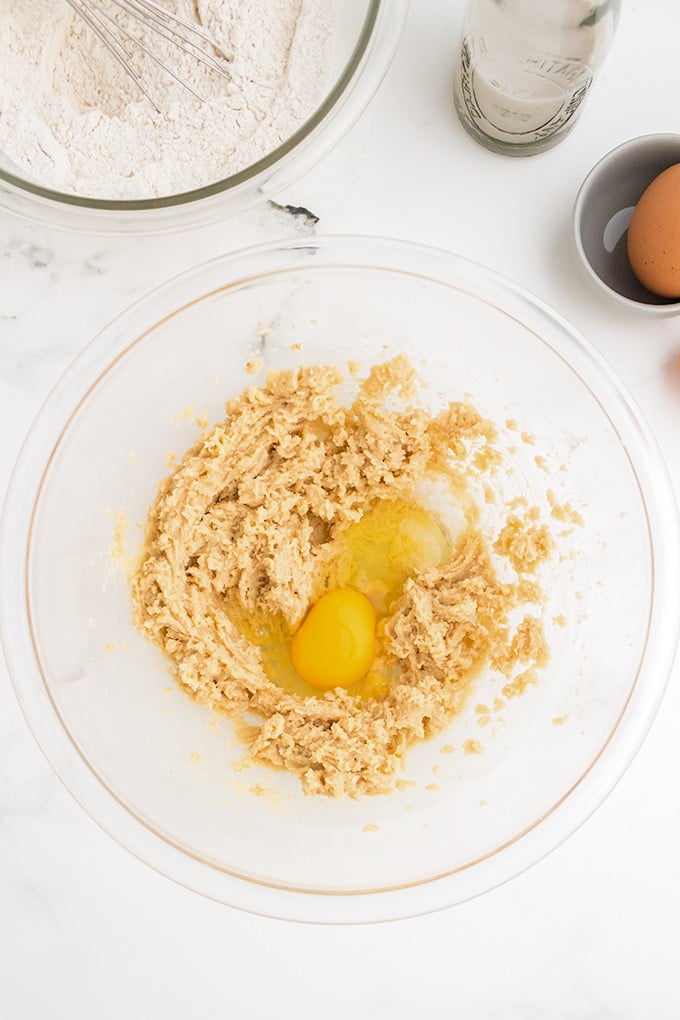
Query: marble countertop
[591,932]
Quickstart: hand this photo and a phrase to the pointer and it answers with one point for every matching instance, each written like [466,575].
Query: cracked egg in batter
[296,576]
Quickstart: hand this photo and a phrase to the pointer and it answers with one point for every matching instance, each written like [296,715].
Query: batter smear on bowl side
[297,578]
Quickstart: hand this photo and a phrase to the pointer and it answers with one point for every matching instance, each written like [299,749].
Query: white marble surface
[591,932]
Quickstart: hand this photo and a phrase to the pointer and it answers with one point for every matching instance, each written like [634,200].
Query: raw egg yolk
[335,645]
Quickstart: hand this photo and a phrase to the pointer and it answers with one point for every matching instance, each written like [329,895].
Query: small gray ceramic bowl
[602,212]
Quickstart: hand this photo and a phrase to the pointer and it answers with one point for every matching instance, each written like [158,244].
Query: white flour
[71,120]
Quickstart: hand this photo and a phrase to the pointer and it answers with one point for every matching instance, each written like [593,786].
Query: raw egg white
[339,642]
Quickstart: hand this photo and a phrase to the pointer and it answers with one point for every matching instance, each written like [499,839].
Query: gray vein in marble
[304,221]
[33,794]
[38,257]
[23,364]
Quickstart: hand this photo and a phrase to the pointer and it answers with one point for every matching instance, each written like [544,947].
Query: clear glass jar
[526,66]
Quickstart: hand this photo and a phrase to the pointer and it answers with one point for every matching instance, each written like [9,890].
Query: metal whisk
[186,36]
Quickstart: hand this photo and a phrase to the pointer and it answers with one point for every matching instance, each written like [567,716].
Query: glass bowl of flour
[82,148]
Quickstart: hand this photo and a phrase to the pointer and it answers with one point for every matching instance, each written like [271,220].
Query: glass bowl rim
[433,892]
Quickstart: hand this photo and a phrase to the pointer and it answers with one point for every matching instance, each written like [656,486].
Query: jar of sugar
[526,66]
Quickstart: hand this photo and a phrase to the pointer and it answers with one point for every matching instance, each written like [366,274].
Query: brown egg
[654,235]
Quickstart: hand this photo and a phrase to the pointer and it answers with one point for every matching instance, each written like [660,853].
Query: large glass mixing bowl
[364,37]
[154,768]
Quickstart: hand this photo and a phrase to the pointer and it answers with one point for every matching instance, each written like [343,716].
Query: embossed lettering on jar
[525,69]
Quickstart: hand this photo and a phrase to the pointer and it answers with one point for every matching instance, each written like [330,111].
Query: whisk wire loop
[167,25]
